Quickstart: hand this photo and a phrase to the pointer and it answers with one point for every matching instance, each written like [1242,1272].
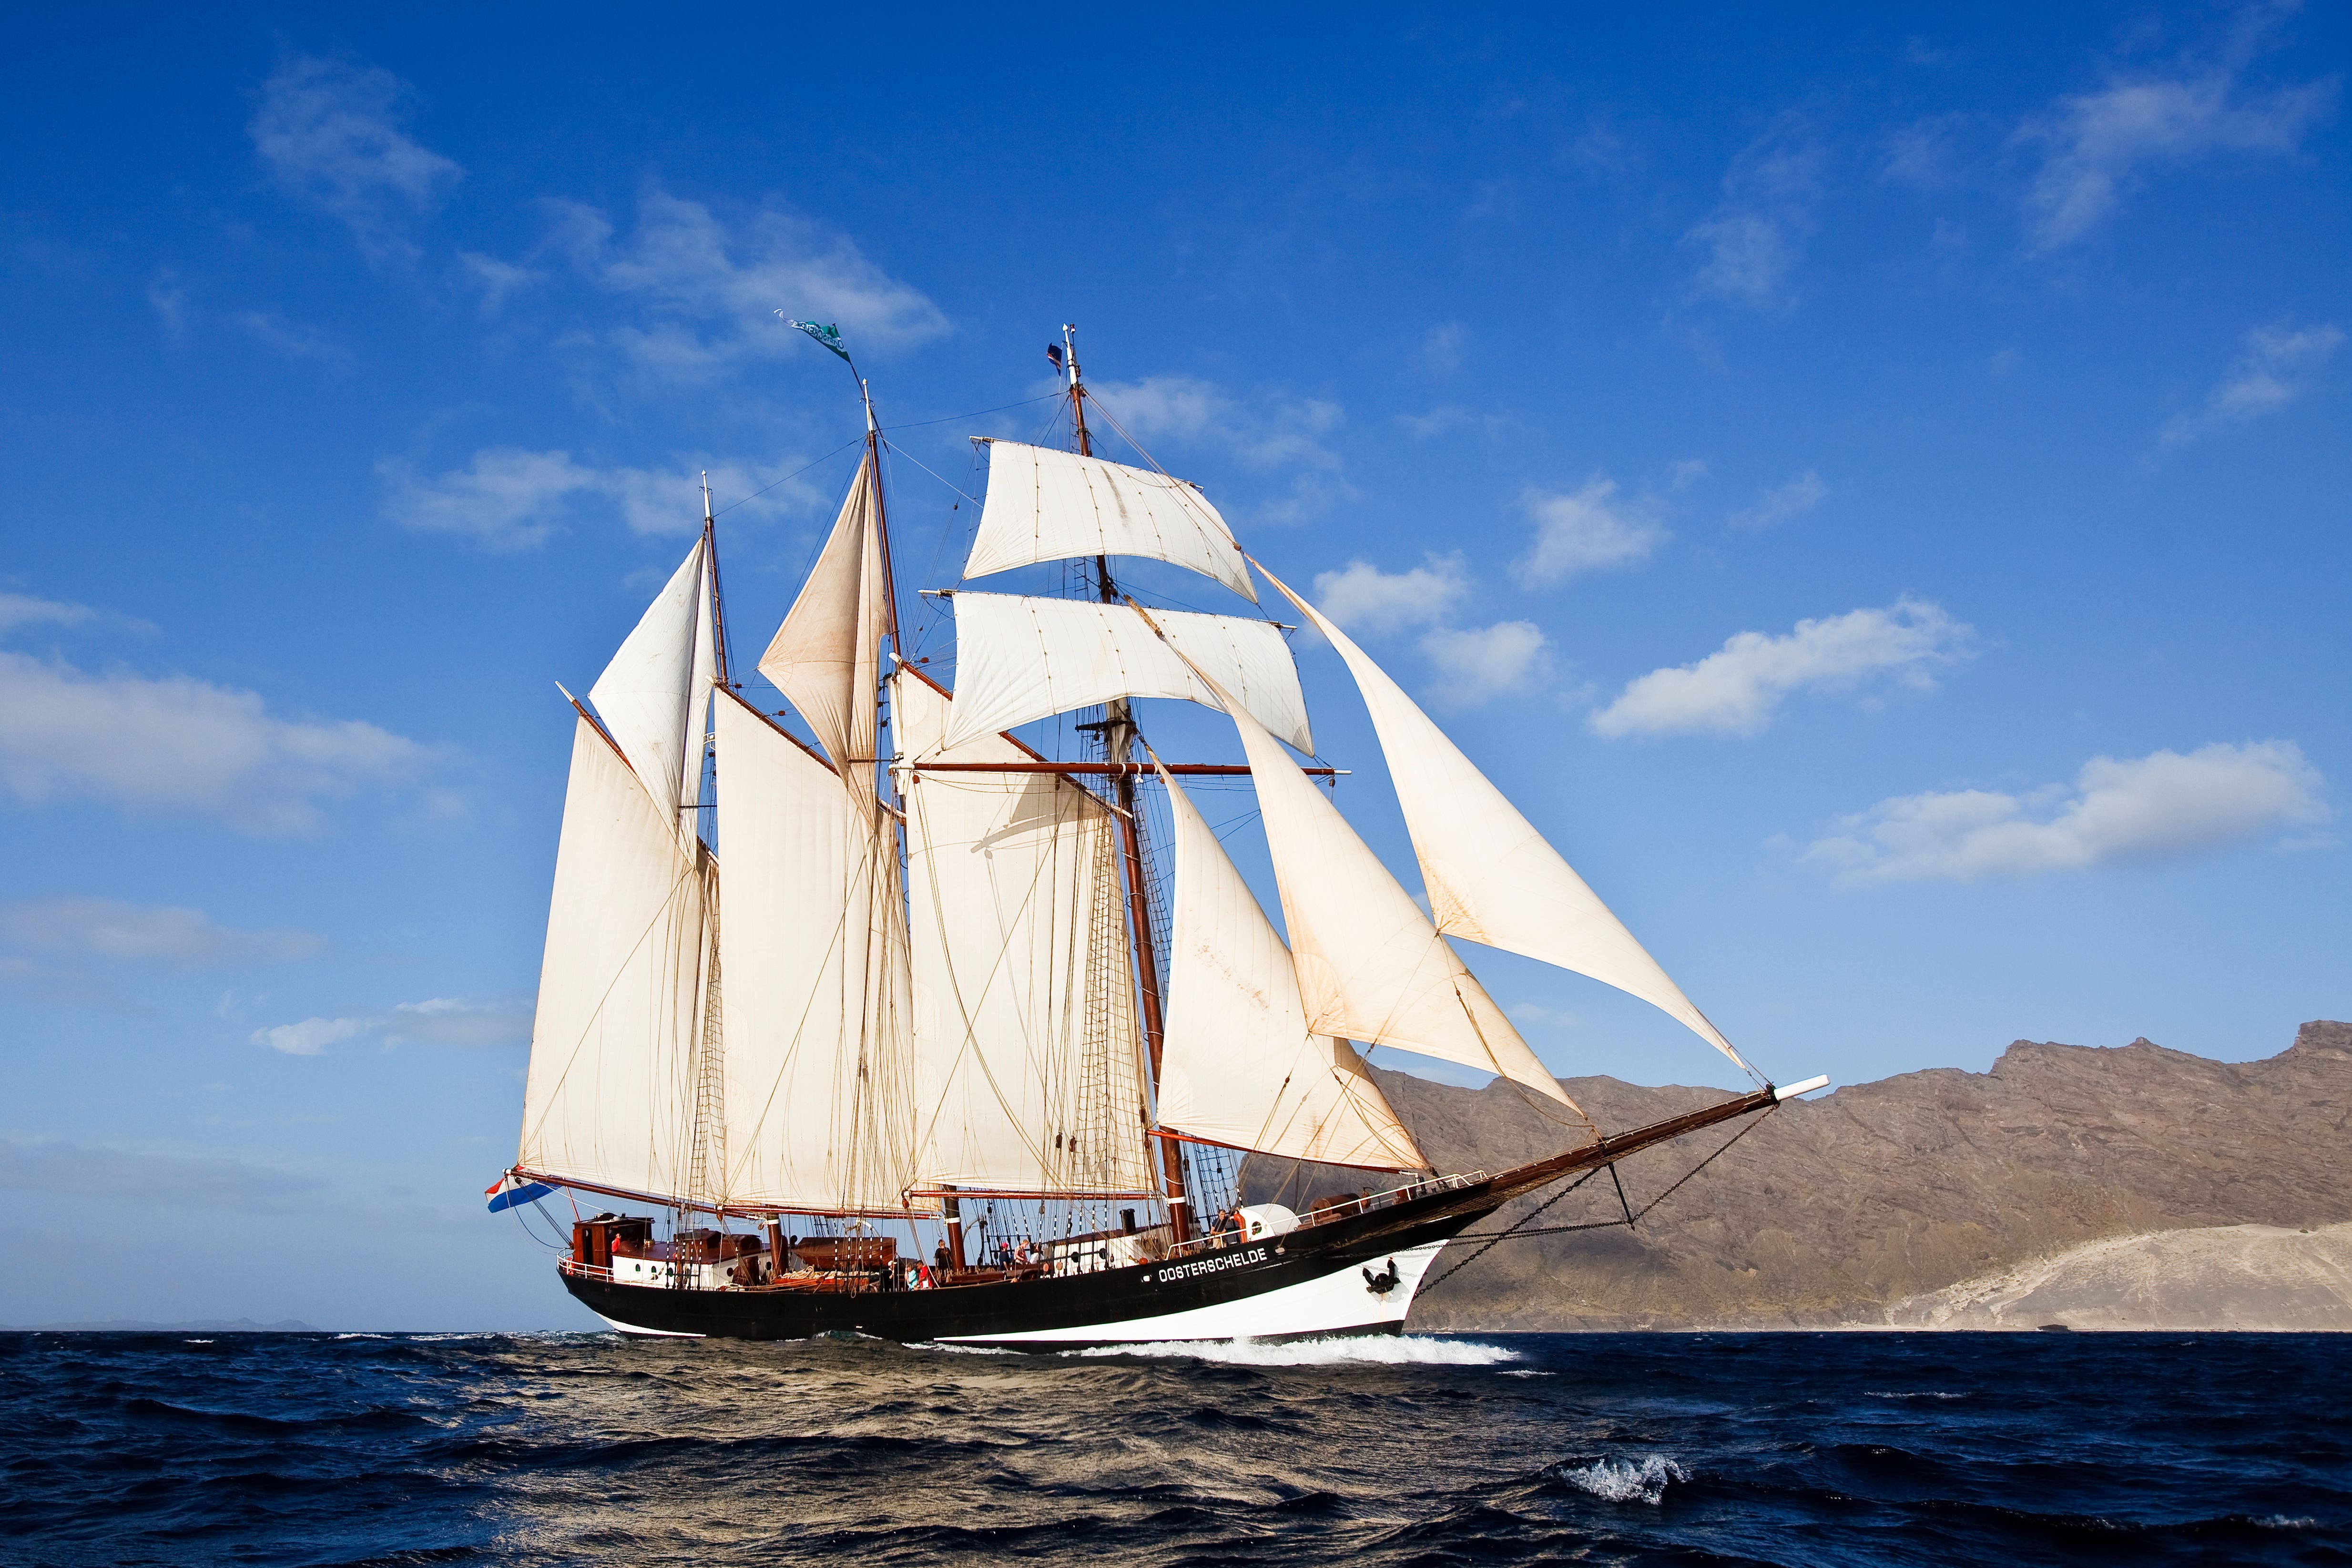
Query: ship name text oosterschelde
[1174,1272]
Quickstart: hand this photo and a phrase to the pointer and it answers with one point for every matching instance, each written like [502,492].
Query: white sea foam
[196,1341]
[1392,1350]
[1528,1372]
[1625,1480]
[1924,1393]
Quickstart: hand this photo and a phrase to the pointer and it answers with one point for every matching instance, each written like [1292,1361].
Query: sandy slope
[2245,1276]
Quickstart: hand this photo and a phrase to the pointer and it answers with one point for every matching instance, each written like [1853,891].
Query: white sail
[825,657]
[643,695]
[1044,505]
[1490,875]
[703,679]
[819,1081]
[1370,967]
[609,1097]
[1030,1059]
[1238,1064]
[1020,659]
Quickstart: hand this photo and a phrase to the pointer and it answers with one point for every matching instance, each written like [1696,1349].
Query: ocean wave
[1624,1480]
[1387,1350]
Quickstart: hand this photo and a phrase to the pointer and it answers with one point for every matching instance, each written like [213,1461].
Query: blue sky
[1864,486]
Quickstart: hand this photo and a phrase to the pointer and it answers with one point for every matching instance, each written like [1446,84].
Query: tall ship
[859,1014]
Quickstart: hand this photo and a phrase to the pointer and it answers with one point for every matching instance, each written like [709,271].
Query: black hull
[1352,1275]
[1279,1287]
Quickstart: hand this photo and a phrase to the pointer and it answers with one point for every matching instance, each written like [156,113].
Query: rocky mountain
[1832,1210]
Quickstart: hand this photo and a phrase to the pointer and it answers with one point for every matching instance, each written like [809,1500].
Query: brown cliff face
[1830,1209]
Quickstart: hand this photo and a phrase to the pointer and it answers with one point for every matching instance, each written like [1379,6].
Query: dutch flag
[511,1189]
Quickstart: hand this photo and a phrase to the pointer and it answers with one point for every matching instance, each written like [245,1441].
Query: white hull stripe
[647,1333]
[1337,1303]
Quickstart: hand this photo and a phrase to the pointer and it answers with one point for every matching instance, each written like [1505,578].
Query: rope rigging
[1518,1231]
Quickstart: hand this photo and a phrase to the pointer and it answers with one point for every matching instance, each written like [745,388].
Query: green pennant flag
[828,337]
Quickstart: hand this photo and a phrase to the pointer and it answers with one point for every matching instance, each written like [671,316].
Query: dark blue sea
[1684,1449]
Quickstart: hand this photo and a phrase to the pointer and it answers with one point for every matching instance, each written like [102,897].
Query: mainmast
[1119,745]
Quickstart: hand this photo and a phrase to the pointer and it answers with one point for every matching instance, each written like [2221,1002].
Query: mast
[881,517]
[1119,738]
[718,599]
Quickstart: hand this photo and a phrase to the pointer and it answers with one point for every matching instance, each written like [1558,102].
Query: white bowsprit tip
[1790,1090]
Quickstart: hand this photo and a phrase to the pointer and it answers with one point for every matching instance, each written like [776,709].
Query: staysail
[644,692]
[1020,659]
[1240,1065]
[609,1097]
[1044,505]
[820,1092]
[827,656]
[1490,875]
[1370,967]
[1024,1019]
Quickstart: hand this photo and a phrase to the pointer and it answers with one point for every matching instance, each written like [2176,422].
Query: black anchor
[1382,1283]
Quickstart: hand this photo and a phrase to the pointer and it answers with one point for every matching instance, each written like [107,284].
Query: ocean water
[1682,1450]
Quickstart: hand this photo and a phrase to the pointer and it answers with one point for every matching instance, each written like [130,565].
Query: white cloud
[439,1021]
[446,1021]
[1441,347]
[170,302]
[24,610]
[1753,239]
[1436,422]
[2276,368]
[310,1037]
[330,131]
[290,339]
[1782,502]
[2096,144]
[1738,689]
[1927,153]
[1591,531]
[1689,472]
[1474,665]
[506,498]
[1362,597]
[141,933]
[495,280]
[2162,806]
[180,744]
[712,289]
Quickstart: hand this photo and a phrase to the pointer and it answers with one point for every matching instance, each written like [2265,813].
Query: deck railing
[1346,1210]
